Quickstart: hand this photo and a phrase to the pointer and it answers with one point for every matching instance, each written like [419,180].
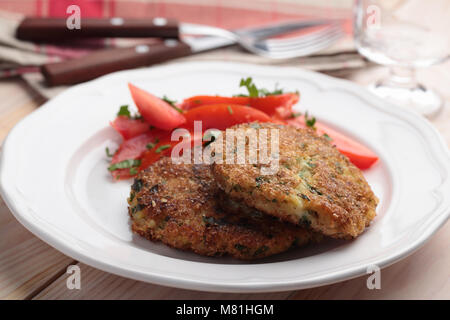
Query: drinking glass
[404,35]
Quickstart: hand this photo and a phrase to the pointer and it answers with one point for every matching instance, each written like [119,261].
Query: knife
[55,29]
[105,61]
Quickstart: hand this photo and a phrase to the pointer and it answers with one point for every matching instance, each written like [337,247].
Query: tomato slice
[155,111]
[279,105]
[133,149]
[222,116]
[359,155]
[129,128]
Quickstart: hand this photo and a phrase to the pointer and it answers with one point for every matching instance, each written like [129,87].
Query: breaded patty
[315,185]
[177,205]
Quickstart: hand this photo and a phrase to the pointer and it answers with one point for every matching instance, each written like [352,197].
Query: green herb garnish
[163,147]
[230,110]
[254,92]
[172,103]
[275,91]
[327,137]
[310,121]
[123,111]
[251,87]
[125,164]
[295,115]
[108,154]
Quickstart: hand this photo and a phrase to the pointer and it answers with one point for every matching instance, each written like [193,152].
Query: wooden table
[31,269]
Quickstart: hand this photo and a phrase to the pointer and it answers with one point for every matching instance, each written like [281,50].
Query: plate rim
[19,209]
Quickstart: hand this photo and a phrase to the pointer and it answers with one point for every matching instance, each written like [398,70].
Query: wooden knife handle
[55,29]
[106,61]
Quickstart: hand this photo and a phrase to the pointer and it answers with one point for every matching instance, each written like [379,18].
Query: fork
[258,40]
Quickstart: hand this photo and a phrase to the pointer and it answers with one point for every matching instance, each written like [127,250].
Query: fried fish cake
[315,185]
[176,204]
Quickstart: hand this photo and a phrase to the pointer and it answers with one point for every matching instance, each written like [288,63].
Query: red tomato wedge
[133,149]
[129,128]
[155,111]
[279,105]
[222,116]
[359,155]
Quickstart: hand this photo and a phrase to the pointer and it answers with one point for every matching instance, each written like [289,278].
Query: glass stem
[404,77]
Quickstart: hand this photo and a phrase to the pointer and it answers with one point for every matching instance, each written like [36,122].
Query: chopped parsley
[310,121]
[151,145]
[124,111]
[295,115]
[172,103]
[162,148]
[275,91]
[254,92]
[108,154]
[125,164]
[230,110]
[327,137]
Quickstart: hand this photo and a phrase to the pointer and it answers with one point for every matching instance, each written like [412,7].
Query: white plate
[54,179]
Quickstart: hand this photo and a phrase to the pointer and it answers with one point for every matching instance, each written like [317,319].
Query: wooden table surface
[31,269]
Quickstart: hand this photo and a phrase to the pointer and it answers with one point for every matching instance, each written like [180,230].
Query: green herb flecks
[230,111]
[125,164]
[172,103]
[123,111]
[265,92]
[108,154]
[151,145]
[162,148]
[253,92]
[327,137]
[310,121]
[295,115]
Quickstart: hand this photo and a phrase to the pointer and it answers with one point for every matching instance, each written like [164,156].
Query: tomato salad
[147,135]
